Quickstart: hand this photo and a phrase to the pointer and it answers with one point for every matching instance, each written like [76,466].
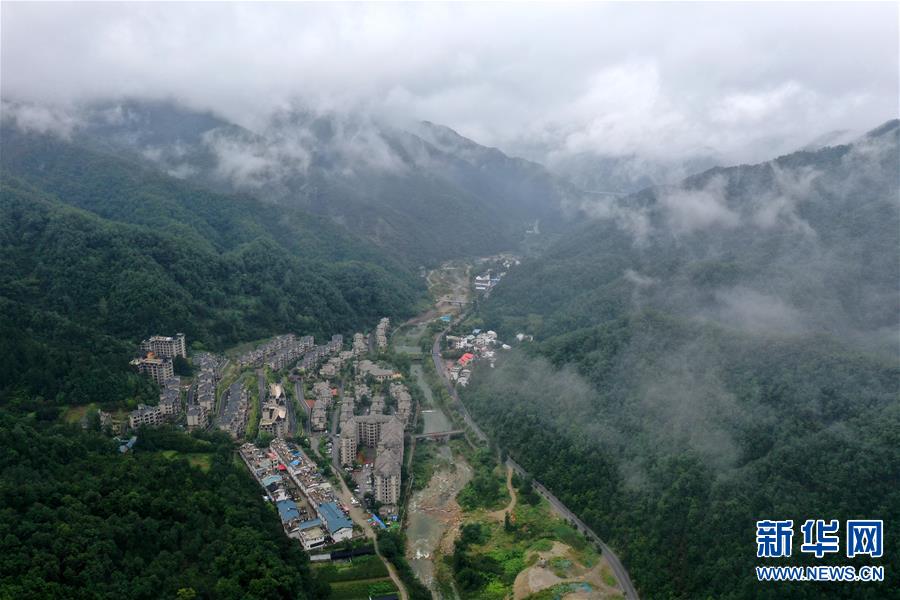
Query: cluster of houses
[400,394]
[168,409]
[305,501]
[323,397]
[156,355]
[235,410]
[277,353]
[377,430]
[359,346]
[487,280]
[335,364]
[203,399]
[273,418]
[384,433]
[317,354]
[477,345]
[502,263]
[367,368]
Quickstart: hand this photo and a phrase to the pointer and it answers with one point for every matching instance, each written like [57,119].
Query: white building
[165,347]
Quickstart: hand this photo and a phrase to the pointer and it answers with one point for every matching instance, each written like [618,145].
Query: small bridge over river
[440,435]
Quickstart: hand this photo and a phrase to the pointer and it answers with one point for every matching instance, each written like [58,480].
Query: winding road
[617,567]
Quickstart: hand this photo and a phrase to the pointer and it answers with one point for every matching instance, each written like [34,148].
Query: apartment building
[197,417]
[348,445]
[158,369]
[273,416]
[145,416]
[387,478]
[381,332]
[165,346]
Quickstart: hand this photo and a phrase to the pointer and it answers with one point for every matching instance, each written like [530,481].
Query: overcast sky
[660,80]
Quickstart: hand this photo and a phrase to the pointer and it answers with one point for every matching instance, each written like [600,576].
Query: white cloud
[742,81]
[688,210]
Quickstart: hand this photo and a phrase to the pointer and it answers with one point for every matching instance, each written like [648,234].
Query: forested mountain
[81,520]
[710,354]
[99,251]
[419,191]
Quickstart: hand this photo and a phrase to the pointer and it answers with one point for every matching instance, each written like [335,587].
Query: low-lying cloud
[662,81]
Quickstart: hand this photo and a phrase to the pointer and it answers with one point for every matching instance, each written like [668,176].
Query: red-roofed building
[466,358]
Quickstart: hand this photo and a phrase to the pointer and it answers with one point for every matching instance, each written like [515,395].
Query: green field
[361,589]
[362,568]
[202,460]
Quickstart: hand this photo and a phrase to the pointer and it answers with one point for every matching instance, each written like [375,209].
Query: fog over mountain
[647,251]
[738,83]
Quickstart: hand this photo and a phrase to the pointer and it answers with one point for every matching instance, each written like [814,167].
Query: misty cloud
[757,312]
[687,210]
[40,119]
[545,81]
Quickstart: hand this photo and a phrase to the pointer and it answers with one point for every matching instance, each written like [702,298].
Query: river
[434,515]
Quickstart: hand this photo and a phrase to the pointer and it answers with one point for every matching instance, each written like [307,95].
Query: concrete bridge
[439,435]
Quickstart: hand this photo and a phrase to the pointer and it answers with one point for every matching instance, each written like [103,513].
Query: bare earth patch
[562,560]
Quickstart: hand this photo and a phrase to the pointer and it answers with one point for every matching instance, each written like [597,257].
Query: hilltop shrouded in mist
[696,341]
[734,82]
[698,230]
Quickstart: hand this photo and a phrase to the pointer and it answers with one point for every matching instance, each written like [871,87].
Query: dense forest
[98,252]
[175,518]
[713,354]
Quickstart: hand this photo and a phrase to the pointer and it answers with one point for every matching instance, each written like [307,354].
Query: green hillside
[98,252]
[81,520]
[713,354]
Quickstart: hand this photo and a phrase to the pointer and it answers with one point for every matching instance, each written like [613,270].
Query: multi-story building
[348,442]
[278,353]
[400,393]
[368,429]
[381,332]
[165,347]
[273,418]
[197,417]
[235,412]
[388,461]
[170,402]
[159,369]
[369,369]
[145,416]
[359,344]
[387,478]
[319,416]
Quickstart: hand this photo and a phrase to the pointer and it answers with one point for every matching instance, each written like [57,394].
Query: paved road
[335,420]
[289,410]
[298,391]
[358,517]
[614,562]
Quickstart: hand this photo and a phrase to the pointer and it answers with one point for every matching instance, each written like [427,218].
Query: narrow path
[500,515]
